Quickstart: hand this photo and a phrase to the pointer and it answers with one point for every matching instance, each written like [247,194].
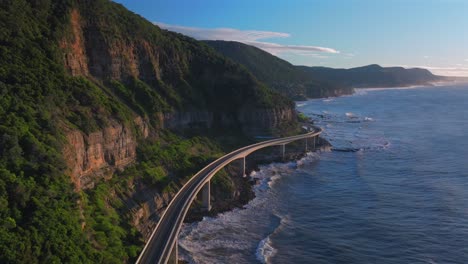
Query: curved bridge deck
[163,241]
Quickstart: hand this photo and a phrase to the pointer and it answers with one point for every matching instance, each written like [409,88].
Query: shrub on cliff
[42,219]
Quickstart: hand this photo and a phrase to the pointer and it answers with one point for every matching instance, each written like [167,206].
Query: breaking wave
[265,249]
[242,235]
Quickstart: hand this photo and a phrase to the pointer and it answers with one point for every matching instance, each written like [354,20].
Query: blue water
[401,198]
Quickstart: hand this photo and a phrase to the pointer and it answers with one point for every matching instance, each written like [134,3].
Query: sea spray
[241,235]
[266,250]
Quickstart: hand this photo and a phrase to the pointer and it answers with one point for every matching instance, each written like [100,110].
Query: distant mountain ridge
[373,76]
[299,82]
[277,73]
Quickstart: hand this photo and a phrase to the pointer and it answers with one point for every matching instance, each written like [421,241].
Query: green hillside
[373,76]
[299,82]
[59,70]
[278,73]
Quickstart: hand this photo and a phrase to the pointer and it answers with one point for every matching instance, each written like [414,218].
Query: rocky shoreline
[244,192]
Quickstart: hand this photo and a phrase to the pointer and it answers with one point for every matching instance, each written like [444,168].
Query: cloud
[250,37]
[278,48]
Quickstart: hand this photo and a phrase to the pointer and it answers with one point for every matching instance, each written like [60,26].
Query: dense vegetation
[42,219]
[37,205]
[299,82]
[191,74]
[278,73]
[165,164]
[373,76]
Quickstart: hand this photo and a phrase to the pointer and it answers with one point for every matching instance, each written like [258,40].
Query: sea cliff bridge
[162,244]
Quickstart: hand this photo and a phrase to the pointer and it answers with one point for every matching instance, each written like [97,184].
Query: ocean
[393,189]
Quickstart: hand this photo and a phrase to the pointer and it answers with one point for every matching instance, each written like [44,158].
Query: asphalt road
[164,236]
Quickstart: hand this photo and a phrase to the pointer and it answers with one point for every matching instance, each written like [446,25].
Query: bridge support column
[306,146]
[314,143]
[243,167]
[174,257]
[283,149]
[206,197]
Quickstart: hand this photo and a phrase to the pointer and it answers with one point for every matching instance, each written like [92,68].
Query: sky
[431,34]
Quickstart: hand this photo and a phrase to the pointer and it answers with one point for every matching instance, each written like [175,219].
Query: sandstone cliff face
[94,156]
[252,121]
[262,121]
[179,120]
[98,154]
[145,205]
[86,52]
[74,52]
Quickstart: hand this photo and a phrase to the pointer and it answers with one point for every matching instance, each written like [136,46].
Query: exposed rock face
[97,155]
[252,121]
[188,119]
[87,52]
[101,152]
[142,127]
[262,121]
[266,118]
[74,52]
[145,204]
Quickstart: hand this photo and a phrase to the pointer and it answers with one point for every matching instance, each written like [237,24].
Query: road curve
[164,236]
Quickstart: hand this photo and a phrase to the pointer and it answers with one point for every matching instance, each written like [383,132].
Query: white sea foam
[349,130]
[392,88]
[233,236]
[265,250]
[300,104]
[361,91]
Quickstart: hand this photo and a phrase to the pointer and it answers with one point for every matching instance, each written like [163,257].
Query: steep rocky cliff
[98,154]
[145,205]
[94,104]
[251,121]
[155,65]
[263,122]
[173,70]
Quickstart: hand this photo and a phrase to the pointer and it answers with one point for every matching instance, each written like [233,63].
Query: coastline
[255,160]
[264,249]
[251,189]
[245,185]
[427,85]
[258,245]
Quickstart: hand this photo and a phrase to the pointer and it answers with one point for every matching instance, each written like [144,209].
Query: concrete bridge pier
[306,144]
[314,143]
[206,197]
[174,257]
[283,149]
[243,167]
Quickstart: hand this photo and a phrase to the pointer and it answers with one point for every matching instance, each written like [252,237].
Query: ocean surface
[401,195]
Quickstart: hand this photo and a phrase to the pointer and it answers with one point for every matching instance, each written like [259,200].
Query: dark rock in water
[345,149]
[354,121]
